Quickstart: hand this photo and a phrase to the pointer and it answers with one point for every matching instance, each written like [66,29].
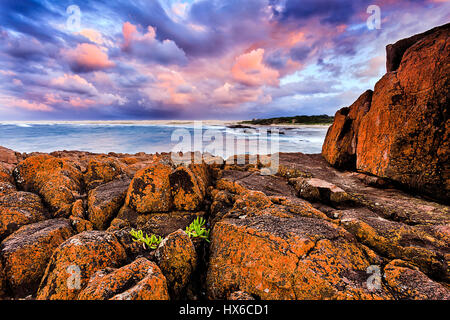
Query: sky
[196,59]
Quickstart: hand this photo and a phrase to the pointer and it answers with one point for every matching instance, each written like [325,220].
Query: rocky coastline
[368,219]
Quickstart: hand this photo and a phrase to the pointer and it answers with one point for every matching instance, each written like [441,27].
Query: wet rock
[177,259]
[140,280]
[105,201]
[27,252]
[57,181]
[407,282]
[18,209]
[287,258]
[149,190]
[339,147]
[314,189]
[76,260]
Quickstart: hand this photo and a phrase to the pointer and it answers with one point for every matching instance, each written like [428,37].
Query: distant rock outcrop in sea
[400,131]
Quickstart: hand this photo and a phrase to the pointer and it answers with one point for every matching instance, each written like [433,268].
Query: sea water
[134,137]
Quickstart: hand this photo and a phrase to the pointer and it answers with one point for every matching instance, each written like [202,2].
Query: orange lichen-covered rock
[56,180]
[27,251]
[177,259]
[287,258]
[101,170]
[80,225]
[140,280]
[404,135]
[149,190]
[188,185]
[339,147]
[76,260]
[105,201]
[407,282]
[17,209]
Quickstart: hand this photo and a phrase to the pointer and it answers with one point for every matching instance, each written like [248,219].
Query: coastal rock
[407,282]
[56,180]
[240,295]
[27,251]
[177,259]
[9,158]
[313,189]
[76,260]
[105,201]
[140,280]
[188,185]
[404,135]
[101,170]
[6,181]
[18,209]
[339,147]
[287,258]
[80,225]
[149,190]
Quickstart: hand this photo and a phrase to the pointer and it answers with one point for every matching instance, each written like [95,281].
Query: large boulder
[17,209]
[404,136]
[339,147]
[287,258]
[57,181]
[149,190]
[76,260]
[177,259]
[9,158]
[105,201]
[27,252]
[140,280]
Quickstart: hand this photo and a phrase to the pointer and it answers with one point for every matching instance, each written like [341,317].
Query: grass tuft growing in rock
[197,229]
[150,242]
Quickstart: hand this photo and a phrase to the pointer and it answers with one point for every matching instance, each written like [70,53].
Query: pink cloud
[87,57]
[250,70]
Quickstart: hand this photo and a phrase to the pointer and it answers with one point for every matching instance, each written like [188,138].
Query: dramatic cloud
[196,58]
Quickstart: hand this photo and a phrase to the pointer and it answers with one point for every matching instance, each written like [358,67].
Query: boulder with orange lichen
[57,181]
[27,251]
[6,181]
[401,131]
[105,201]
[76,260]
[17,209]
[140,280]
[149,191]
[100,170]
[408,282]
[177,259]
[188,186]
[294,257]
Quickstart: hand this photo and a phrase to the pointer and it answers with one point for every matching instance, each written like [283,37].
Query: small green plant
[197,230]
[151,242]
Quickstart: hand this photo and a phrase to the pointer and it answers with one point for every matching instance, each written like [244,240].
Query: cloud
[87,57]
[74,84]
[250,70]
[147,48]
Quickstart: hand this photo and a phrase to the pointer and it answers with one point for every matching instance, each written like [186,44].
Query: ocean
[151,137]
